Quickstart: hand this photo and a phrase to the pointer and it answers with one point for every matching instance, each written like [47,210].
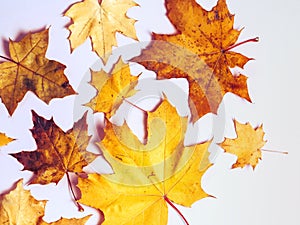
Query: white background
[269,195]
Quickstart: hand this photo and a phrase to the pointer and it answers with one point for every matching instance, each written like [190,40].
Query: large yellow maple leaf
[246,146]
[29,70]
[200,51]
[18,207]
[100,20]
[58,152]
[147,178]
[112,88]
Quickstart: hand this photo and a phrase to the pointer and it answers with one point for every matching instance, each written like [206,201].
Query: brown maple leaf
[18,207]
[58,152]
[112,88]
[200,51]
[100,20]
[29,70]
[148,177]
[247,146]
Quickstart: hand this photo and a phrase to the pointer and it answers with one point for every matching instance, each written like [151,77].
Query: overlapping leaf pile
[148,177]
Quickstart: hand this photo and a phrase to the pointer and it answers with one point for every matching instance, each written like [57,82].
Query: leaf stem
[256,39]
[80,208]
[273,151]
[176,209]
[130,103]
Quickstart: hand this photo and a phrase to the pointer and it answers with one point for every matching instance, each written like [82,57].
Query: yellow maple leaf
[247,146]
[18,207]
[58,152]
[100,20]
[147,178]
[112,88]
[200,51]
[4,140]
[29,70]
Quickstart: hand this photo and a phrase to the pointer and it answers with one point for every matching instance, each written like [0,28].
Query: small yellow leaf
[247,146]
[112,88]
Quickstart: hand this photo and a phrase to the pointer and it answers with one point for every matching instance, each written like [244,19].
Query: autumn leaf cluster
[150,176]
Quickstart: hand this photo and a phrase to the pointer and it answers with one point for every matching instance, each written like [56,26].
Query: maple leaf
[200,51]
[112,88]
[247,146]
[147,178]
[29,70]
[100,20]
[4,140]
[58,152]
[18,207]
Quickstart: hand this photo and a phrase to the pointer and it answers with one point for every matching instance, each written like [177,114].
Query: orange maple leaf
[200,51]
[29,70]
[247,146]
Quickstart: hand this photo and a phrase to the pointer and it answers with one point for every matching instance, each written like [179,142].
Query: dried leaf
[4,140]
[247,146]
[112,88]
[100,20]
[18,207]
[58,152]
[29,70]
[146,178]
[200,51]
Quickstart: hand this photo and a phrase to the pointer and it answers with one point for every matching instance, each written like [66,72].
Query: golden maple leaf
[200,51]
[247,146]
[100,20]
[58,152]
[147,178]
[29,70]
[18,207]
[4,140]
[112,88]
